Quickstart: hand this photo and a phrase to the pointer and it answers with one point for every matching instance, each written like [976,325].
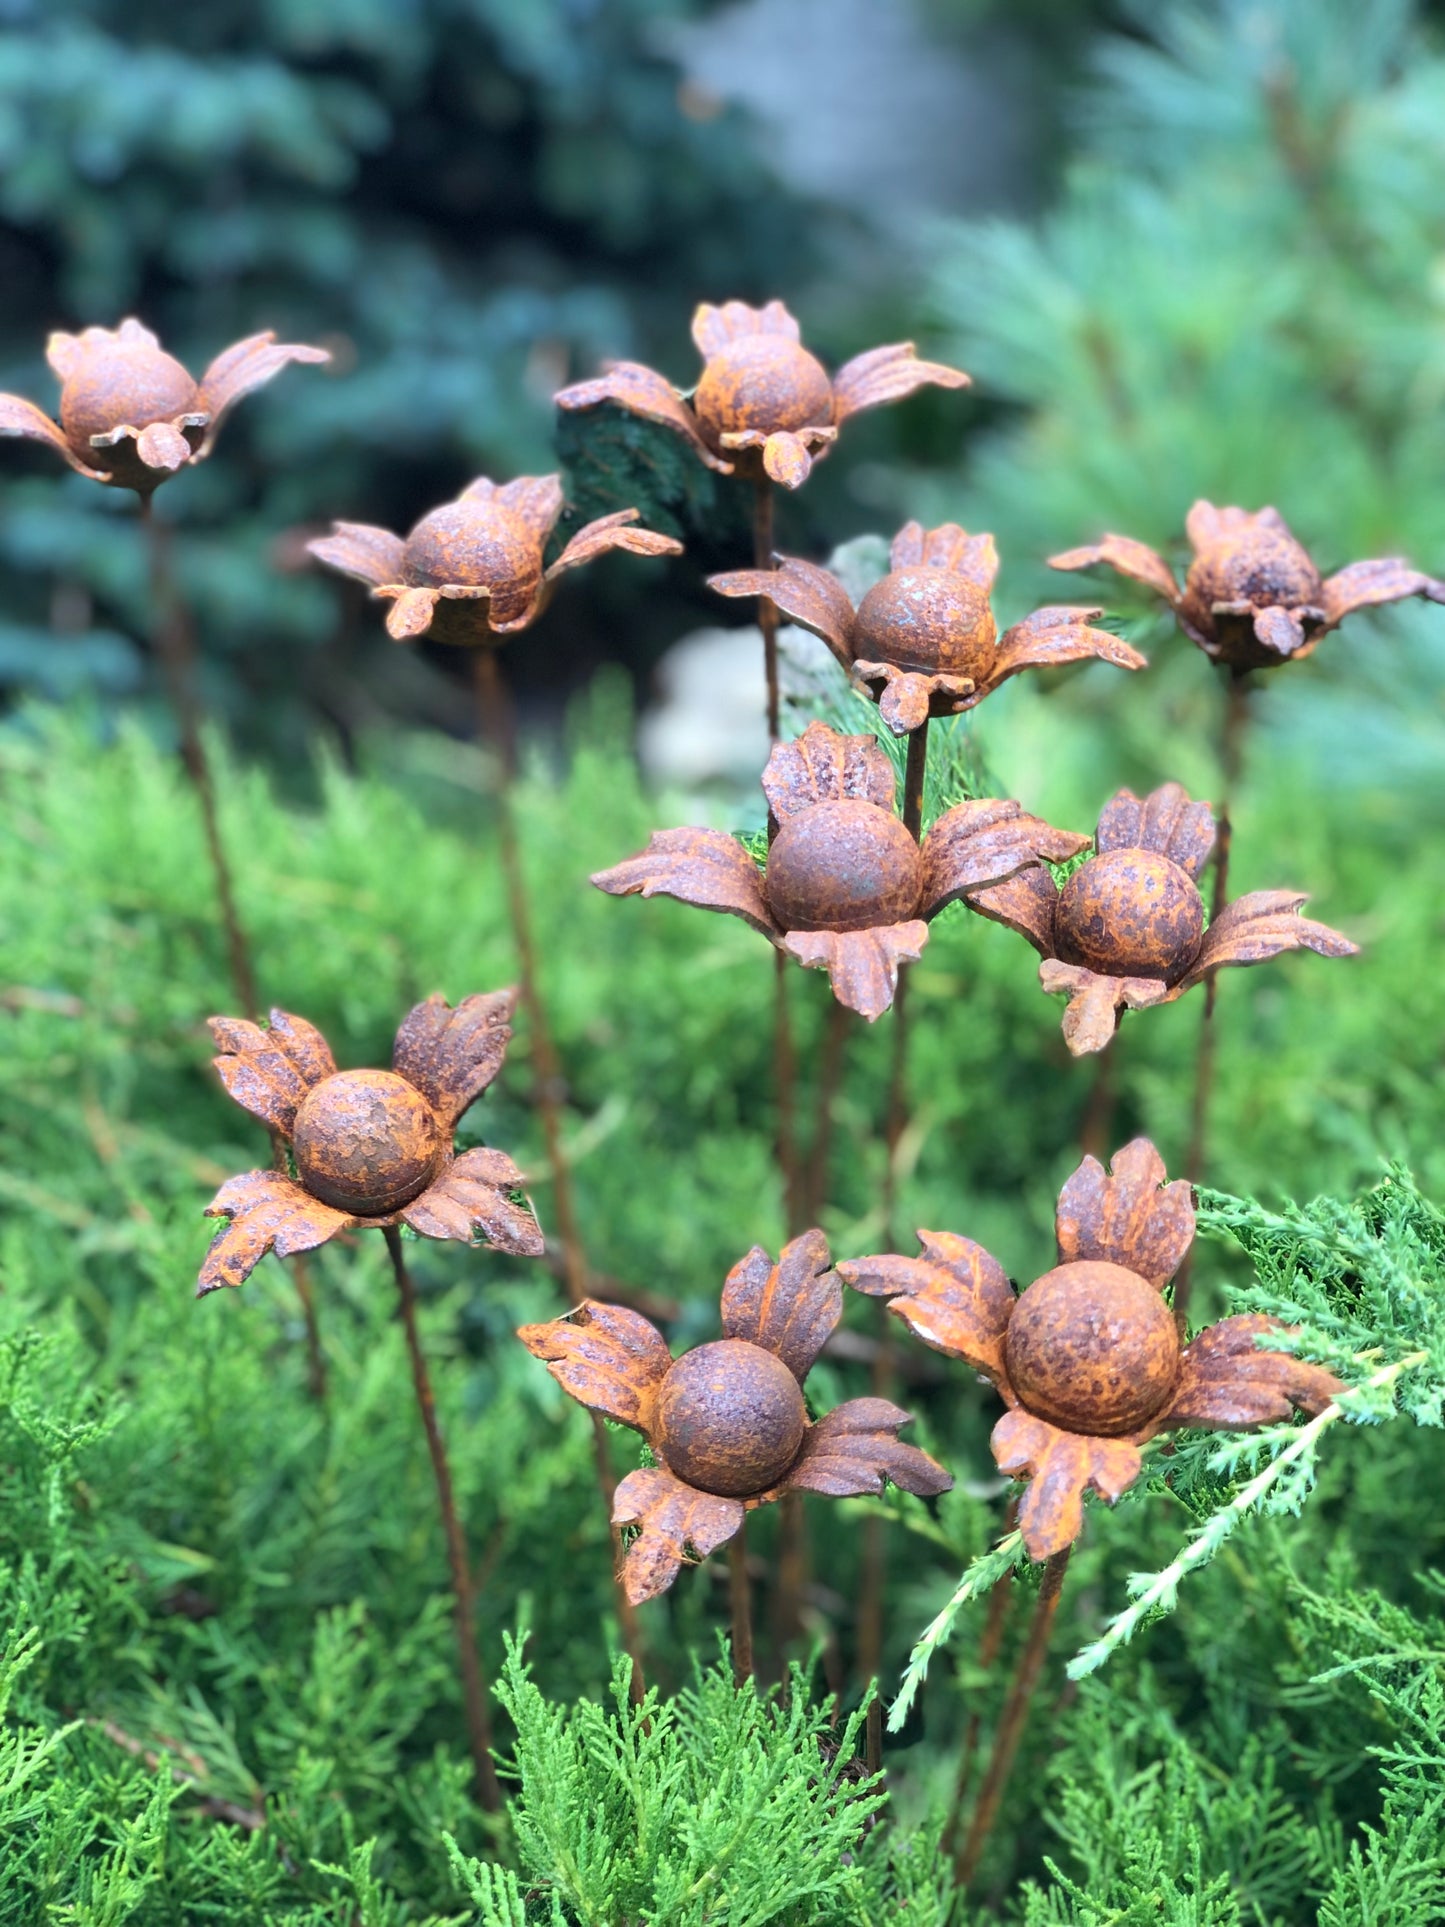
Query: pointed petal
[984,842]
[906,699]
[950,547]
[471,1203]
[1280,630]
[411,613]
[1261,925]
[608,1358]
[24,420]
[1026,904]
[789,1308]
[1164,821]
[64,352]
[647,395]
[716,328]
[1061,1468]
[1127,557]
[368,554]
[855,1447]
[244,367]
[956,1297]
[823,765]
[1365,585]
[703,867]
[612,532]
[888,374]
[806,594]
[1133,1217]
[1227,1383]
[786,459]
[678,1525]
[266,1211]
[1057,635]
[533,500]
[1205,524]
[862,965]
[269,1071]
[451,1056]
[1092,1015]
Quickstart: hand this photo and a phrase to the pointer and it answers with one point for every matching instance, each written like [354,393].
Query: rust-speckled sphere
[1265,567]
[123,383]
[929,620]
[367,1141]
[730,1418]
[1130,913]
[763,382]
[847,865]
[470,543]
[1092,1348]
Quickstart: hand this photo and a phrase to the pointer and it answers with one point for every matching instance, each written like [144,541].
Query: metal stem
[1000,1600]
[767,612]
[830,1076]
[740,1596]
[913,775]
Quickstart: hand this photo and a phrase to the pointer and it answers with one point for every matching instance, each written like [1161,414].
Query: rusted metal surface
[763,406]
[923,642]
[1253,598]
[1087,1357]
[472,570]
[372,1148]
[846,888]
[130,414]
[1127,930]
[727,1420]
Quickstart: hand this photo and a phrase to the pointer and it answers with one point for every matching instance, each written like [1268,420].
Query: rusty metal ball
[930,620]
[730,1418]
[1130,913]
[1093,1348]
[845,865]
[763,382]
[122,384]
[1265,567]
[470,543]
[367,1141]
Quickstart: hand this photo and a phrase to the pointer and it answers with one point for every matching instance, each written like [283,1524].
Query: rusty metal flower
[370,1148]
[726,1421]
[846,888]
[473,569]
[1088,1358]
[1253,598]
[1127,929]
[130,414]
[923,641]
[763,405]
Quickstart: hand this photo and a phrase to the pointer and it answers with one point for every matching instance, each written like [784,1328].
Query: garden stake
[836,1026]
[767,613]
[740,1600]
[914,772]
[1000,1603]
[474,1690]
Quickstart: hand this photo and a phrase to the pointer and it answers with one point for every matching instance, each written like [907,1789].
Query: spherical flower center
[763,382]
[730,1418]
[472,544]
[1130,913]
[122,384]
[1267,569]
[929,620]
[846,865]
[367,1141]
[1092,1348]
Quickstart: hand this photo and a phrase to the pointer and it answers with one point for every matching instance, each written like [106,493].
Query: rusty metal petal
[888,374]
[787,459]
[533,501]
[269,1071]
[983,842]
[242,368]
[1061,1467]
[1131,1216]
[1365,585]
[974,557]
[855,1447]
[411,613]
[1227,1383]
[822,765]
[608,1358]
[703,867]
[1262,925]
[22,418]
[1165,821]
[470,1203]
[357,549]
[1280,630]
[161,445]
[266,1211]
[643,392]
[789,1308]
[804,593]
[714,329]
[1126,557]
[678,1525]
[956,1297]
[1057,635]
[1027,903]
[1205,524]
[1092,1015]
[862,965]
[451,1056]
[907,698]
[612,532]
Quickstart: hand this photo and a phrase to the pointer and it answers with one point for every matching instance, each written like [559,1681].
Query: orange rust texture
[1092,1348]
[1130,913]
[730,1418]
[844,865]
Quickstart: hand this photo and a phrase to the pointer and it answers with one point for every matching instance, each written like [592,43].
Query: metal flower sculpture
[472,569]
[1127,929]
[1253,598]
[763,405]
[370,1148]
[130,414]
[923,641]
[846,889]
[1087,1358]
[727,1422]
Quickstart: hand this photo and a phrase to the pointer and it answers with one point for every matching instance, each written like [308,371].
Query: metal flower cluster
[1087,1358]
[370,1148]
[923,641]
[763,406]
[727,1422]
[846,888]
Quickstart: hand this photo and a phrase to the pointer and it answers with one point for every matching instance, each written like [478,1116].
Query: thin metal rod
[474,1691]
[767,612]
[914,772]
[837,1026]
[1000,1602]
[740,1599]
[1014,1719]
